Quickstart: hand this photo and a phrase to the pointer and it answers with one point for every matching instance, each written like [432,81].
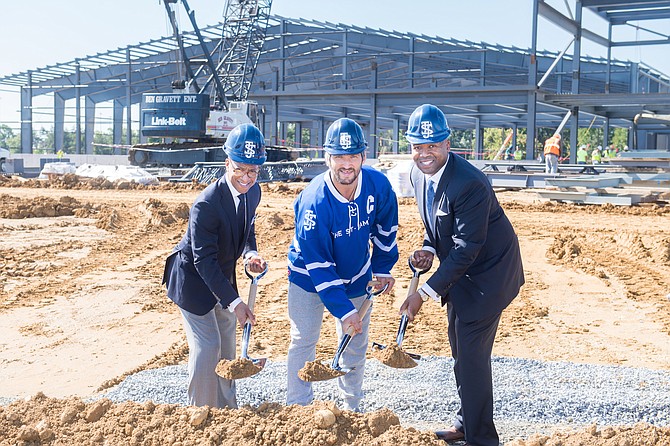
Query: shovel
[404,319]
[316,371]
[239,368]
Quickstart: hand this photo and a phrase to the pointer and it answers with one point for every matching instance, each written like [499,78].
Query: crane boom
[213,98]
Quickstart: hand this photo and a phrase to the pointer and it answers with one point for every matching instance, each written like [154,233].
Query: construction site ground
[81,307]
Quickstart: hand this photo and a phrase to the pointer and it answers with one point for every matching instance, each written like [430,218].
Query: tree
[8,139]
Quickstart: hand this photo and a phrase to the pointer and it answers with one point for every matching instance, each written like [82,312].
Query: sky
[37,33]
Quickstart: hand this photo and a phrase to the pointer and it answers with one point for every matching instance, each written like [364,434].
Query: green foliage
[619,137]
[8,139]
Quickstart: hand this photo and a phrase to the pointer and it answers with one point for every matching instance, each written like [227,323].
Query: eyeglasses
[239,172]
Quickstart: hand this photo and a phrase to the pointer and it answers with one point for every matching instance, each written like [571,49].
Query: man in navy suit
[200,272]
[480,269]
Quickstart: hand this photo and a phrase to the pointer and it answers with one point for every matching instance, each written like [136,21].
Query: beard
[345,177]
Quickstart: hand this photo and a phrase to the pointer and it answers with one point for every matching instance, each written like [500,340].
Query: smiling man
[200,272]
[346,222]
[480,269]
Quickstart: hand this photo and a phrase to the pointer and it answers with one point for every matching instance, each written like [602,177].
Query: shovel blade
[259,362]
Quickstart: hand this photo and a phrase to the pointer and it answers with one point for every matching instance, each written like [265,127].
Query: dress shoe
[451,434]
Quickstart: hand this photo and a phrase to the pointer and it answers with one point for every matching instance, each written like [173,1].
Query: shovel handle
[253,287]
[367,303]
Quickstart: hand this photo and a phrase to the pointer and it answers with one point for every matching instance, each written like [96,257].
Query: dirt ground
[81,307]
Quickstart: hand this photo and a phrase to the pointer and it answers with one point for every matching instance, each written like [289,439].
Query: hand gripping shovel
[316,371]
[244,366]
[395,357]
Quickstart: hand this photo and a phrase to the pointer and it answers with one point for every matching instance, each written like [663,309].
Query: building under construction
[310,73]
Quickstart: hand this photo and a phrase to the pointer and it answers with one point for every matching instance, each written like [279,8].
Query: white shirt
[435,178]
[236,200]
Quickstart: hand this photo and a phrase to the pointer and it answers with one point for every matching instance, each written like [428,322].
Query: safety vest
[595,155]
[582,155]
[552,145]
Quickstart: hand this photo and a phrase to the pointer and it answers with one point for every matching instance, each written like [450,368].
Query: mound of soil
[51,421]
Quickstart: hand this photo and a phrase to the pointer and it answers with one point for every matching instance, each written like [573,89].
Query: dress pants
[471,347]
[210,337]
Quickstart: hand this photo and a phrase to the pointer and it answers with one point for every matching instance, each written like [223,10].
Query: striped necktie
[430,198]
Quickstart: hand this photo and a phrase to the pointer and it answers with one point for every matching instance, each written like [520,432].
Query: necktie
[430,198]
[242,214]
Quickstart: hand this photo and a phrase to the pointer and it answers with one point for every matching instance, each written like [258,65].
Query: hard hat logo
[427,125]
[246,144]
[427,129]
[344,137]
[249,149]
[345,140]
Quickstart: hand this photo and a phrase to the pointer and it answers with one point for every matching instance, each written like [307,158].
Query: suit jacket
[200,272]
[480,268]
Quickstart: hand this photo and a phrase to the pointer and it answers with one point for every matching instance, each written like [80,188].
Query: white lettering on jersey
[310,220]
[371,204]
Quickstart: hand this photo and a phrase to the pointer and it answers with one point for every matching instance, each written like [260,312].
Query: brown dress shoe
[451,434]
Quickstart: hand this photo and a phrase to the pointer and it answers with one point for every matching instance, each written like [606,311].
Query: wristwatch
[423,294]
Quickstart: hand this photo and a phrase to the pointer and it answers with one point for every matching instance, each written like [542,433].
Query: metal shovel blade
[403,357]
[246,335]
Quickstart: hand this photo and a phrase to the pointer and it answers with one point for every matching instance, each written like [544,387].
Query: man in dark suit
[480,269]
[200,272]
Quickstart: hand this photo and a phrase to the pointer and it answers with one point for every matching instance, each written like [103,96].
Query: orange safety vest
[552,145]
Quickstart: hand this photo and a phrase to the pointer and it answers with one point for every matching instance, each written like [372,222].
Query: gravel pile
[530,396]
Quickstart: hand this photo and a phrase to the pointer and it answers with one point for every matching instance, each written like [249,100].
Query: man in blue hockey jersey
[346,222]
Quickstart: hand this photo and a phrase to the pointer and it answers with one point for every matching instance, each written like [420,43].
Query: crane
[212,98]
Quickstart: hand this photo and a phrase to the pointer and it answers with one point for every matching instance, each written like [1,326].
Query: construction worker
[582,155]
[595,156]
[518,154]
[552,150]
[612,152]
[603,152]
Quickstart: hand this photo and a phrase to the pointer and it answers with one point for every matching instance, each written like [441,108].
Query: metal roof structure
[311,73]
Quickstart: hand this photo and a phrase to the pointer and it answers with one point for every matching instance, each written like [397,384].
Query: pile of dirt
[640,434]
[75,182]
[394,356]
[314,371]
[237,368]
[43,420]
[17,208]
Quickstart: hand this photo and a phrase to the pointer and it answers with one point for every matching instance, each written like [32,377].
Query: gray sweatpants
[210,337]
[305,310]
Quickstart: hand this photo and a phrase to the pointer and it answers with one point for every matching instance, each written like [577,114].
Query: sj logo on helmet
[249,149]
[345,140]
[427,129]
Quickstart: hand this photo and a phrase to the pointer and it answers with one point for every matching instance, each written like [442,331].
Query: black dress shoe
[451,434]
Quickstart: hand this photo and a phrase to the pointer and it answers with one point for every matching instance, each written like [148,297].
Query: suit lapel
[441,195]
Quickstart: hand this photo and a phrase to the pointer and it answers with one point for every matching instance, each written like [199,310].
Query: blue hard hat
[245,144]
[345,137]
[427,124]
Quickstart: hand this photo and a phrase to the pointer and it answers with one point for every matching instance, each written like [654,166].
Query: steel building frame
[312,72]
